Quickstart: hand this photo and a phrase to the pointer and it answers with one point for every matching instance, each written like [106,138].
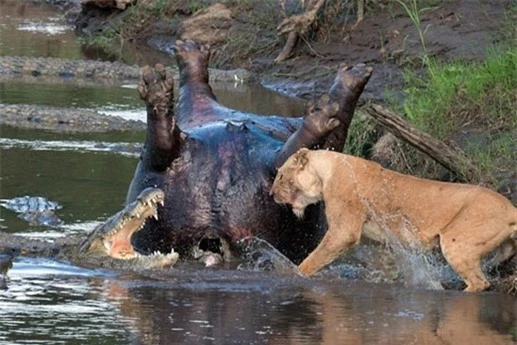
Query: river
[47,301]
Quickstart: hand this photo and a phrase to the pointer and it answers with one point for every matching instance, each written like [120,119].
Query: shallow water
[123,101]
[35,29]
[53,302]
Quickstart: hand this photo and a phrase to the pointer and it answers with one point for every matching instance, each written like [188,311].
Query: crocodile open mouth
[113,238]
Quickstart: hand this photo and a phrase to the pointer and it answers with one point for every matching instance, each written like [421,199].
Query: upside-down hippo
[216,165]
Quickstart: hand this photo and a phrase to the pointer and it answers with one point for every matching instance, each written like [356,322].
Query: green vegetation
[470,104]
[362,134]
[454,94]
[413,10]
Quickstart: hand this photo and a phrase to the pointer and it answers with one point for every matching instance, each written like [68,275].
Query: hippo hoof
[191,51]
[156,87]
[354,77]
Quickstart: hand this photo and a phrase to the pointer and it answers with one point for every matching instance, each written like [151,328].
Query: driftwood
[297,25]
[444,154]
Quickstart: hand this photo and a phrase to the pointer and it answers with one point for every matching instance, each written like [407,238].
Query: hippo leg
[196,102]
[346,90]
[316,126]
[163,141]
[327,127]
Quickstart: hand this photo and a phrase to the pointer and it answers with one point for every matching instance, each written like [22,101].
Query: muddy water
[35,29]
[53,302]
[124,101]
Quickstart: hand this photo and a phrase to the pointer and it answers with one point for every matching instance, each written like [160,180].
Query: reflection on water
[124,101]
[70,95]
[56,303]
[257,100]
[88,185]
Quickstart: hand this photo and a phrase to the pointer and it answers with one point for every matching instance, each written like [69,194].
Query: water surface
[35,29]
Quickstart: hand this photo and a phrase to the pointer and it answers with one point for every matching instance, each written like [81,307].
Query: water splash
[260,255]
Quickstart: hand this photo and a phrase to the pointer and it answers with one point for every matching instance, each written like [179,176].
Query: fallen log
[451,158]
[299,25]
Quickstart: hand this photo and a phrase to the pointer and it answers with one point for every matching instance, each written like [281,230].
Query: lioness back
[428,204]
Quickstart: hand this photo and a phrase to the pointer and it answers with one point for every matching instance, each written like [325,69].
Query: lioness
[467,221]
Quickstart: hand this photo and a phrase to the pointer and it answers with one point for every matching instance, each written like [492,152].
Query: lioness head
[297,183]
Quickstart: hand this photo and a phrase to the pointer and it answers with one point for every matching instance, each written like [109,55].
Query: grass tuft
[471,105]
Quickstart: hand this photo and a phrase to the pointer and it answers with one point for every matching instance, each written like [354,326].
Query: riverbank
[406,50]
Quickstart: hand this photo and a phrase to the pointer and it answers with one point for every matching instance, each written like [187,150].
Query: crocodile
[108,245]
[34,209]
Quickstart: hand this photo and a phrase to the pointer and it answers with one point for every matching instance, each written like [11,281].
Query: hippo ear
[301,158]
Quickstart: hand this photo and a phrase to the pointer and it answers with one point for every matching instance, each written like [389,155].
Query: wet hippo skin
[216,164]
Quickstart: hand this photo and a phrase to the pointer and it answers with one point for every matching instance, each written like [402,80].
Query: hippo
[216,165]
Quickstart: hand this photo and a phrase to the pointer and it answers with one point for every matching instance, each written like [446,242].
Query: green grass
[455,94]
[362,134]
[470,104]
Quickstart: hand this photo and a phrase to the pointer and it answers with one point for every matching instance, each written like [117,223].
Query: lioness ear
[301,158]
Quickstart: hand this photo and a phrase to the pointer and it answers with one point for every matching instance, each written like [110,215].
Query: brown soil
[386,39]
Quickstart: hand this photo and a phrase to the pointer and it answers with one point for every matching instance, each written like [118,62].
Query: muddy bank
[63,68]
[387,38]
[64,120]
[113,72]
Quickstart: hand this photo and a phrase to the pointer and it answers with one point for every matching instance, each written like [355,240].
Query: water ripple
[122,148]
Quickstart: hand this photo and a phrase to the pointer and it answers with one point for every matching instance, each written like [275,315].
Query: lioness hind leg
[466,262]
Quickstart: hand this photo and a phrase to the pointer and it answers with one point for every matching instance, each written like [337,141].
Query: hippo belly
[217,188]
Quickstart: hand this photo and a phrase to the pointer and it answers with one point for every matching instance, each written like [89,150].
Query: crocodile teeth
[155,215]
[162,202]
